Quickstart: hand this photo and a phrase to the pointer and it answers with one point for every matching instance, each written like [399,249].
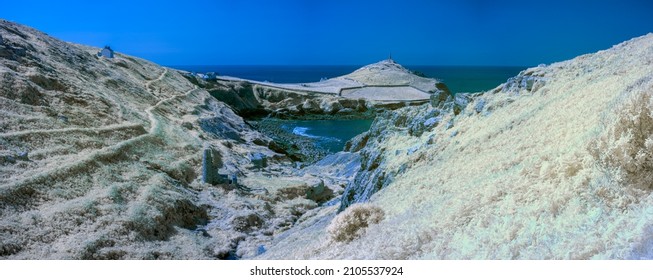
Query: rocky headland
[360,94]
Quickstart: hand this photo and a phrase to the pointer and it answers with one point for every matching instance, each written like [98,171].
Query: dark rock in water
[211,162]
[202,232]
[62,118]
[218,128]
[259,160]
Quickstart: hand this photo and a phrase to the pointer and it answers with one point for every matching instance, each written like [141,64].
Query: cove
[330,135]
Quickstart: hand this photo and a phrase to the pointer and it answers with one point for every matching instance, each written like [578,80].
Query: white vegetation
[114,156]
[352,222]
[562,171]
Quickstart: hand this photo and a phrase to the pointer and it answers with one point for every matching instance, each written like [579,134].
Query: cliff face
[103,158]
[553,164]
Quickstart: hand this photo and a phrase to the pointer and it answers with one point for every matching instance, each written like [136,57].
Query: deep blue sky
[345,32]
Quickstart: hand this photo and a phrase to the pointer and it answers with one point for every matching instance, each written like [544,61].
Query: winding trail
[154,122]
[150,82]
[25,187]
[108,128]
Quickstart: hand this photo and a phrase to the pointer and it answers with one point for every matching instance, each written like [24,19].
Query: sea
[333,134]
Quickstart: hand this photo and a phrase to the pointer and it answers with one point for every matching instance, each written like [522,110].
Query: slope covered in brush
[553,164]
[102,157]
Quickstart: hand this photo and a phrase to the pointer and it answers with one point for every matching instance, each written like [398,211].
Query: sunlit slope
[555,164]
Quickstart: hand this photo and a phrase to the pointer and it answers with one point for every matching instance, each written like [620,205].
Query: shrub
[351,223]
[625,147]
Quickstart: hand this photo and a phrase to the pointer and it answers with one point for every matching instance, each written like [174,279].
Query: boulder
[460,102]
[319,193]
[479,105]
[439,98]
[211,162]
[259,160]
[432,122]
[528,81]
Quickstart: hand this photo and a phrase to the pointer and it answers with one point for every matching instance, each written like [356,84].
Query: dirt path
[82,162]
[150,82]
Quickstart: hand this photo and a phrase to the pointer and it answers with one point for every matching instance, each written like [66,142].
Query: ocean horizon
[457,78]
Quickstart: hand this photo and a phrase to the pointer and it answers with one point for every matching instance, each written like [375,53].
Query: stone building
[106,52]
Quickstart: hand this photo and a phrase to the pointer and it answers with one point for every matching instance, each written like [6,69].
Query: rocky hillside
[554,164]
[111,158]
[119,158]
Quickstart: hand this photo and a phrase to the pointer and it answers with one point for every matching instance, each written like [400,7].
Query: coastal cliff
[553,164]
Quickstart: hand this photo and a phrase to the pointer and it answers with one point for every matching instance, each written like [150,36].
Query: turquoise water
[457,78]
[329,134]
